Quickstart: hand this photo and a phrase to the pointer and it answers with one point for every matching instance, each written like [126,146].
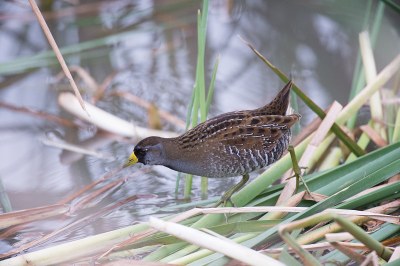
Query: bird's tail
[279,105]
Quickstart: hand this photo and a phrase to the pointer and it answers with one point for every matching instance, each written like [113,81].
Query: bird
[231,144]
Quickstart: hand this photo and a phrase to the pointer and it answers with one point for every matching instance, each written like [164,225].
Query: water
[151,50]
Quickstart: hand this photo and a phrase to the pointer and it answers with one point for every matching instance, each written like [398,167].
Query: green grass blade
[358,71]
[393,5]
[360,76]
[371,176]
[287,259]
[396,132]
[364,238]
[386,231]
[210,93]
[4,199]
[198,97]
[163,252]
[373,197]
[188,186]
[190,109]
[200,84]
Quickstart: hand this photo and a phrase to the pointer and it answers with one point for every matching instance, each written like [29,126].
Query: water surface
[150,51]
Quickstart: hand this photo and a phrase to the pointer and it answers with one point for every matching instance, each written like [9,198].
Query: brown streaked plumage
[231,144]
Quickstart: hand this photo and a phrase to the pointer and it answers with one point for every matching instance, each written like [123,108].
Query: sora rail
[231,144]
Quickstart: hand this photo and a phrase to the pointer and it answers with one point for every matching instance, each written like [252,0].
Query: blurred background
[149,49]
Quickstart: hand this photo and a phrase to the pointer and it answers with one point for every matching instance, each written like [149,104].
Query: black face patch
[140,154]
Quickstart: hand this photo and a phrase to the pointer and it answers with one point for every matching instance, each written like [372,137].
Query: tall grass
[200,103]
[363,183]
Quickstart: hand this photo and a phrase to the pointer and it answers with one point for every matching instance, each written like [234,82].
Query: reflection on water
[150,51]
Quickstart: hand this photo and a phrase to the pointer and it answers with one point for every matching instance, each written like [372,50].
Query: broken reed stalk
[224,246]
[56,50]
[368,60]
[106,120]
[345,224]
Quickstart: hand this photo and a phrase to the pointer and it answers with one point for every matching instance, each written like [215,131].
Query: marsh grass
[200,102]
[367,183]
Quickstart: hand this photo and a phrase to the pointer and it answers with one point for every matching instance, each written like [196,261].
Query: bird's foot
[226,198]
[225,201]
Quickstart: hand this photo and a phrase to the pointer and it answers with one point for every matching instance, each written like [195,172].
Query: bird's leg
[228,194]
[297,171]
[303,170]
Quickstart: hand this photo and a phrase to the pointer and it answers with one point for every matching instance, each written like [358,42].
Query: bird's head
[148,151]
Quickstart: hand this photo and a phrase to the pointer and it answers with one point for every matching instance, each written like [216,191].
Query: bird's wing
[212,128]
[241,129]
[258,131]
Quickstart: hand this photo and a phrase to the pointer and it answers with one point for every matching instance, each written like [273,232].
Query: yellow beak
[131,161]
